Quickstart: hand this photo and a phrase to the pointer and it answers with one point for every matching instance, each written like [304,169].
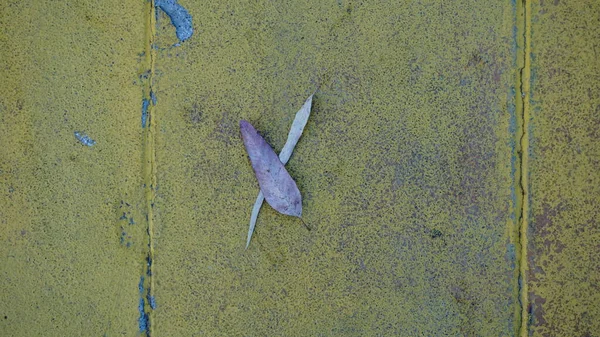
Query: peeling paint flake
[143,319]
[152,301]
[180,18]
[84,139]
[153,97]
[145,105]
[141,285]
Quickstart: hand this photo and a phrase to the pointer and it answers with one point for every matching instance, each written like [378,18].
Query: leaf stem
[304,223]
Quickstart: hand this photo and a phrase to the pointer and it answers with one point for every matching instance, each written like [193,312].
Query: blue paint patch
[149,262]
[141,285]
[143,320]
[124,239]
[180,18]
[152,301]
[153,97]
[145,105]
[84,139]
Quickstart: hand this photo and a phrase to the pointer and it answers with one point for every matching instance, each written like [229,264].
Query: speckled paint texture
[564,229]
[404,168]
[449,169]
[70,259]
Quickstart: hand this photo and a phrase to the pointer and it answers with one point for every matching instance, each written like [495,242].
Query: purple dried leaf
[275,182]
[293,136]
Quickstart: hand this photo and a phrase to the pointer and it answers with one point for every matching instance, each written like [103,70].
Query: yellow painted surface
[405,168]
[564,236]
[410,169]
[65,67]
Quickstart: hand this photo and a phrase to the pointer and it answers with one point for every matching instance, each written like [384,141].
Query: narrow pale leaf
[275,182]
[293,136]
[296,131]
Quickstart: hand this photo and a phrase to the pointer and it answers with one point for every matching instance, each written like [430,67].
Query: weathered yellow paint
[406,168]
[431,184]
[70,66]
[149,160]
[523,107]
[563,252]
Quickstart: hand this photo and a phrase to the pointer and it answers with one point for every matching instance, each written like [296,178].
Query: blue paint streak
[152,302]
[153,97]
[141,285]
[180,18]
[145,105]
[143,320]
[84,139]
[149,262]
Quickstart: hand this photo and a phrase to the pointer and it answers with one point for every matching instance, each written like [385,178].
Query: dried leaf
[293,136]
[296,131]
[275,182]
